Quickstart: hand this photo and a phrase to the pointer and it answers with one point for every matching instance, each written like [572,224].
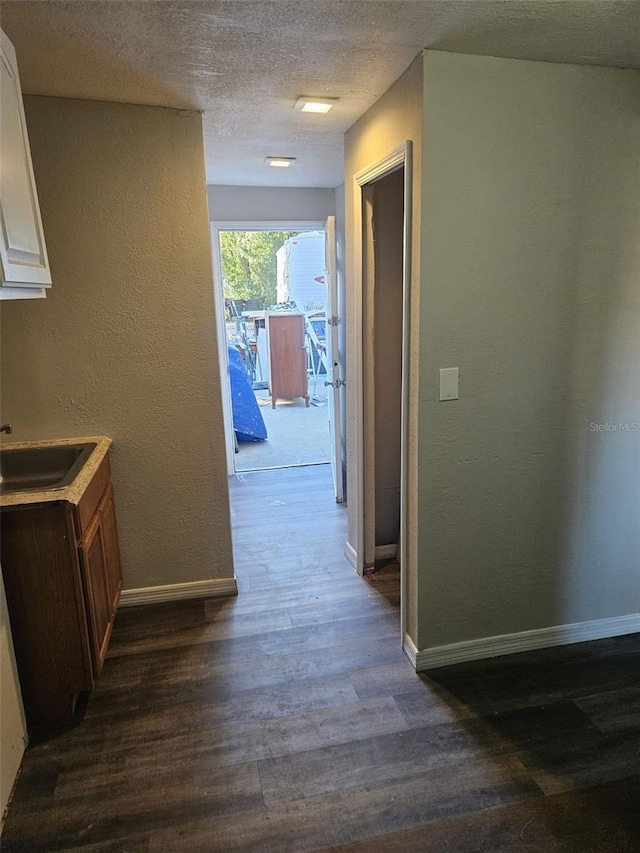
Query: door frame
[218,299]
[400,157]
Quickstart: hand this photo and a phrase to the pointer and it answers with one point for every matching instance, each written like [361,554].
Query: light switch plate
[448,383]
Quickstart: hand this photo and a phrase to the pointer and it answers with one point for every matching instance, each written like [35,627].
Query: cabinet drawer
[88,504]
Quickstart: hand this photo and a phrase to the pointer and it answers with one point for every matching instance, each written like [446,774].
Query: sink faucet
[6,428]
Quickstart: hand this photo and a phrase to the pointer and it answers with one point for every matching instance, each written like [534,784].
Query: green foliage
[249,263]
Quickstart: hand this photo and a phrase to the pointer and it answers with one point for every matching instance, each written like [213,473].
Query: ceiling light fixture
[280,162]
[307,104]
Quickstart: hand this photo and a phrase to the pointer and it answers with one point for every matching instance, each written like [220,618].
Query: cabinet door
[97,590]
[107,511]
[43,582]
[23,254]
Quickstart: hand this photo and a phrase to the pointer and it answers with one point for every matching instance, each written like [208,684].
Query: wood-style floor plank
[288,720]
[604,819]
[306,824]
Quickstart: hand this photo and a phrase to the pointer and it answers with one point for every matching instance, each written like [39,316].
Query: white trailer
[300,265]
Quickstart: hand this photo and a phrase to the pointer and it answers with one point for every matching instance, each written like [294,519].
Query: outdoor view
[274,290]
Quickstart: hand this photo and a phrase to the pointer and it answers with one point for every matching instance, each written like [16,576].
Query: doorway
[273,304]
[382,207]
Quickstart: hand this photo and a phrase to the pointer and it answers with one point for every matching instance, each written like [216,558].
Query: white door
[333,379]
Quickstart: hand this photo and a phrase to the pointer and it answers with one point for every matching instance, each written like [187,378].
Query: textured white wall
[531,285]
[125,343]
[394,119]
[237,204]
[13,730]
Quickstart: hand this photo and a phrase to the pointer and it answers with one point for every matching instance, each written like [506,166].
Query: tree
[249,263]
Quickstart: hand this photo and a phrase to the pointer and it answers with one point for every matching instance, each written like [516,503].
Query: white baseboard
[211,588]
[509,644]
[352,556]
[386,552]
[410,650]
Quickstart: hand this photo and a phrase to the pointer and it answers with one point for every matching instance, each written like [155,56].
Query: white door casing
[223,355]
[368,380]
[400,157]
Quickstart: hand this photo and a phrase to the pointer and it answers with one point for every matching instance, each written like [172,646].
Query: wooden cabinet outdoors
[24,266]
[287,356]
[61,568]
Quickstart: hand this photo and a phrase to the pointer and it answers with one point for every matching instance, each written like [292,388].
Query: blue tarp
[248,422]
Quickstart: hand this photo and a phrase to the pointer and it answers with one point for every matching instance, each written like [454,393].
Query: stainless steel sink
[41,468]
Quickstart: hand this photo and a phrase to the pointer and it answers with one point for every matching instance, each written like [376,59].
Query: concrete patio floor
[297,435]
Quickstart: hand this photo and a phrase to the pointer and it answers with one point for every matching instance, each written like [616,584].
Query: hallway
[288,720]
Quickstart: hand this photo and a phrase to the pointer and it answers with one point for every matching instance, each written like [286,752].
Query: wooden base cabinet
[61,568]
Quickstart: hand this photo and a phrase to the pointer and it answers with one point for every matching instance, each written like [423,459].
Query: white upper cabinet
[24,265]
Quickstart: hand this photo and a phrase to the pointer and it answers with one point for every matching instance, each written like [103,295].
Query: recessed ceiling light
[280,162]
[307,104]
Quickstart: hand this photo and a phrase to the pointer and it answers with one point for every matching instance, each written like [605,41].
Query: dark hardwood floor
[288,720]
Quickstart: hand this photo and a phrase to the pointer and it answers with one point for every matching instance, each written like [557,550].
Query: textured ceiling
[244,63]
